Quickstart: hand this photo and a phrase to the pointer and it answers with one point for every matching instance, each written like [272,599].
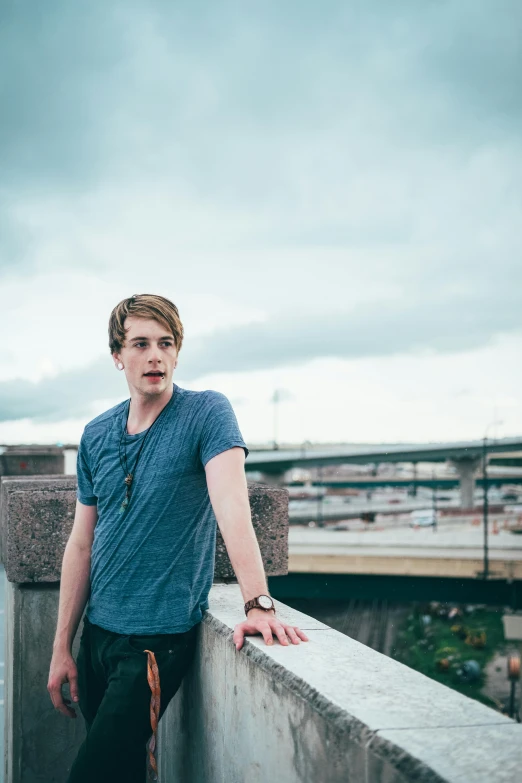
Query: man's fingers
[238,637]
[281,633]
[67,711]
[291,632]
[55,692]
[266,630]
[295,634]
[55,685]
[73,683]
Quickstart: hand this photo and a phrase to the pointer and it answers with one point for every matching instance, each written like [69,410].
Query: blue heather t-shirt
[152,566]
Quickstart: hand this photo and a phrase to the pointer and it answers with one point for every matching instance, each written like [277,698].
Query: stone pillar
[466,469]
[36,517]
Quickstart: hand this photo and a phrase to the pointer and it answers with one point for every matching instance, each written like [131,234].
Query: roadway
[453,550]
[332,509]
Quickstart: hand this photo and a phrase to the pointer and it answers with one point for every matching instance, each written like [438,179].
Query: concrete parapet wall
[330,710]
[40,743]
[37,514]
[325,711]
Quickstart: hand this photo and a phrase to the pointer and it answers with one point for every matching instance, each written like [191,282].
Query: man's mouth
[155,374]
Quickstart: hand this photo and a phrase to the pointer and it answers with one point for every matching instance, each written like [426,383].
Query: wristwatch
[261,602]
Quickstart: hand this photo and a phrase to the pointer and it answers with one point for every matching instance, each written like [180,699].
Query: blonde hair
[144,306]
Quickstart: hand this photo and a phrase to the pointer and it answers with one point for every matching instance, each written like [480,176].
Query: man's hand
[268,625]
[63,669]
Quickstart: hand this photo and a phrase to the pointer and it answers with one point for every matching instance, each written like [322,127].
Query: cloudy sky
[330,193]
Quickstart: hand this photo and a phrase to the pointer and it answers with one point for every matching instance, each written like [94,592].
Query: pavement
[447,541]
[452,550]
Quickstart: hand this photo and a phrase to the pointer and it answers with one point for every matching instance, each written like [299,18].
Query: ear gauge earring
[120,366]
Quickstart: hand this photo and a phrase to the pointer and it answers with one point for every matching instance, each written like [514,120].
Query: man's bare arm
[74,592]
[228,492]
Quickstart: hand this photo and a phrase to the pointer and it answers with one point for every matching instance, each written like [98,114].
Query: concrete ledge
[37,514]
[329,710]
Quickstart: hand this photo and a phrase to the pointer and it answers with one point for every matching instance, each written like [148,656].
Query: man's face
[149,356]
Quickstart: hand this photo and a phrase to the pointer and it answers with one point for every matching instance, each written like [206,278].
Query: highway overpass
[465,455]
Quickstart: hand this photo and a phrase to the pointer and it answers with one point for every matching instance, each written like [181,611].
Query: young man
[154,474]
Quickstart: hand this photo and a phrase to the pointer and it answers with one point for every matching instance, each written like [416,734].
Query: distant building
[31,460]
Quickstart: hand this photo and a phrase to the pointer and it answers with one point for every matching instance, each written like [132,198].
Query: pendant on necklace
[128,481]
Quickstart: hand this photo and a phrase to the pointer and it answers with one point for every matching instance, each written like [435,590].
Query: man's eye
[138,344]
[167,343]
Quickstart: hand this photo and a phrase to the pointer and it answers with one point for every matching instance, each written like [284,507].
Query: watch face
[265,602]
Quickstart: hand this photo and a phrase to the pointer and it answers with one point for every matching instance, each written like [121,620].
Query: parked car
[423,517]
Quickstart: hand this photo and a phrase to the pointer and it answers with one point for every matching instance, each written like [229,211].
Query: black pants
[115,699]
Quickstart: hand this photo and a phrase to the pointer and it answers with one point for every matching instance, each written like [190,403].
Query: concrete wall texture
[327,711]
[40,744]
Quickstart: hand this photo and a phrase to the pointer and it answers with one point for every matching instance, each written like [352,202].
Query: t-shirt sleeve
[85,490]
[220,430]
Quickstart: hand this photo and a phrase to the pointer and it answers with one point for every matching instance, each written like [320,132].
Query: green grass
[421,644]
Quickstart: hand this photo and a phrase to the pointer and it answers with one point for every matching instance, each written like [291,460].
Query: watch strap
[254,604]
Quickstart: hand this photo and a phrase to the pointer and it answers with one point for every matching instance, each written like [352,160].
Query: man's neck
[144,410]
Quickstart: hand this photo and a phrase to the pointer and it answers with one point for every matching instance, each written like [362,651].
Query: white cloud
[390,399]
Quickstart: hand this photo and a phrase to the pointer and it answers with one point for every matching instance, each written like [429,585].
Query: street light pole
[486,503]
[275,400]
[320,521]
[434,501]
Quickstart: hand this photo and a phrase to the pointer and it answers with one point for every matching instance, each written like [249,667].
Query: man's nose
[154,354]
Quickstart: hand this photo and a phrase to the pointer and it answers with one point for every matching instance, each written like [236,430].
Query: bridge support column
[413,489]
[466,469]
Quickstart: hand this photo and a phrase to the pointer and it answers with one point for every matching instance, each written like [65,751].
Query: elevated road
[465,455]
[376,482]
[279,460]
